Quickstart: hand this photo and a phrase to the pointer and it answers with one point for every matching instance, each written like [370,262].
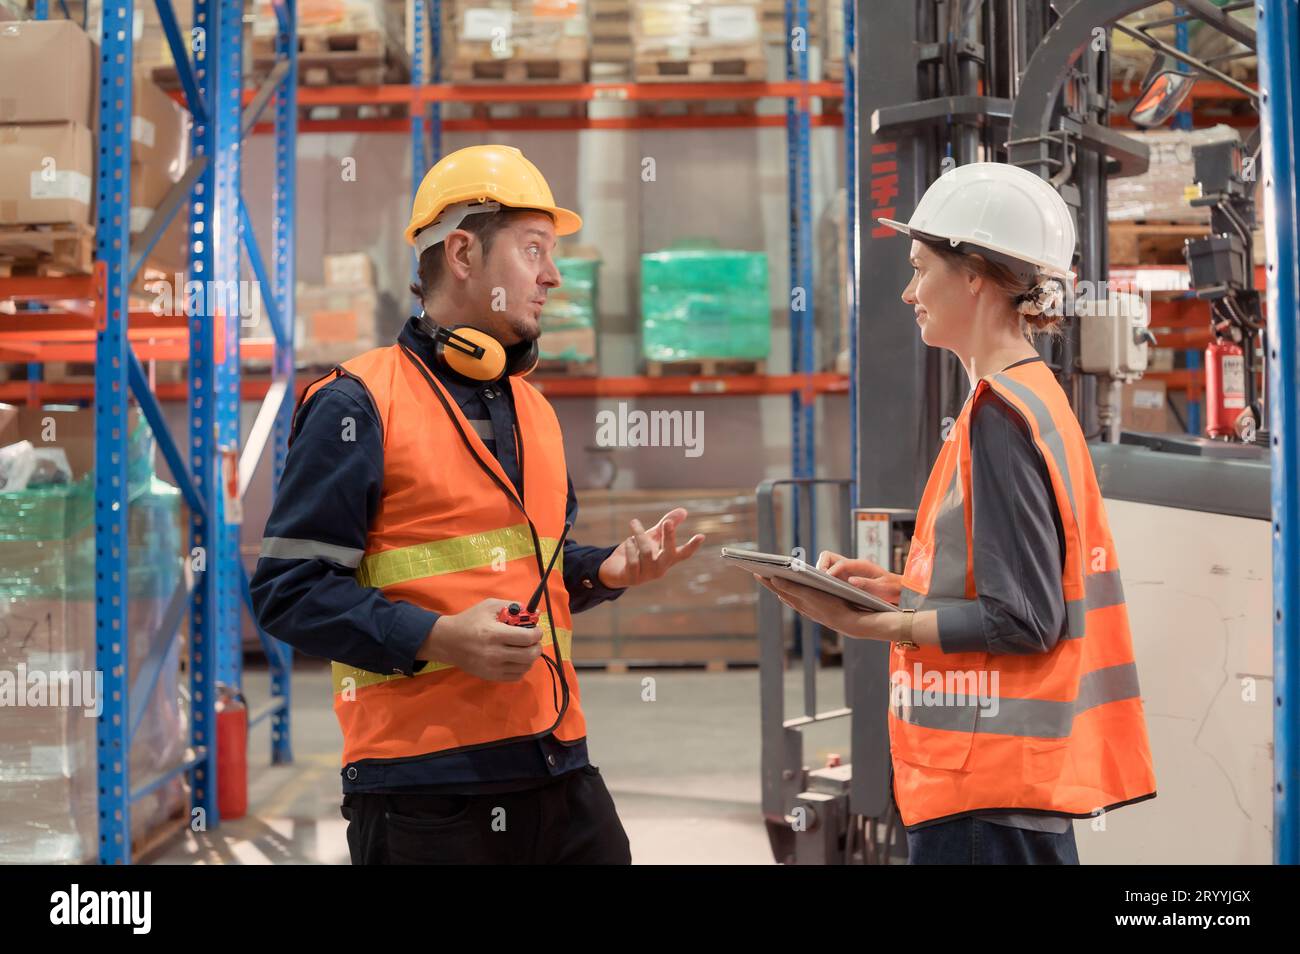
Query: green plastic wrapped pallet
[702,303]
[569,318]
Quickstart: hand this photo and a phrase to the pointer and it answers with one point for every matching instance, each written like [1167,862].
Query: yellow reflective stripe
[361,678]
[453,555]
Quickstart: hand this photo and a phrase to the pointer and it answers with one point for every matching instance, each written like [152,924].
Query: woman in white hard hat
[1014,702]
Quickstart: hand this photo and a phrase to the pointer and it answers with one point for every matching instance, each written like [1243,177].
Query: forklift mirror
[1163,91]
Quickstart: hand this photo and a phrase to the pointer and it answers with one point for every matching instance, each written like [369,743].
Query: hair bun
[1045,296]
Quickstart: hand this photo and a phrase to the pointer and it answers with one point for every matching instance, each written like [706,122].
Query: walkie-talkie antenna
[537,593]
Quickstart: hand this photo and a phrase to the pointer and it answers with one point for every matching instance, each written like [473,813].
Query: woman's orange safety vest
[1060,732]
[446,537]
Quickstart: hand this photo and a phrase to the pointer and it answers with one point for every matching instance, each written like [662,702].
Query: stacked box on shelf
[706,612]
[337,319]
[611,30]
[675,40]
[151,54]
[702,303]
[48,810]
[833,48]
[515,41]
[569,318]
[160,153]
[47,165]
[340,42]
[47,170]
[1150,215]
[773,13]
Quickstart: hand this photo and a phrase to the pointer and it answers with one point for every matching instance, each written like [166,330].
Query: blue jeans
[969,841]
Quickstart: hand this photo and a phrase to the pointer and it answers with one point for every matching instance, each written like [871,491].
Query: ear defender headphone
[476,356]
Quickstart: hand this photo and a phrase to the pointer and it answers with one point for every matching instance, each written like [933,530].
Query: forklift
[1029,82]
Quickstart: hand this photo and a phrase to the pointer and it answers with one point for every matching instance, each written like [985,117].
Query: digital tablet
[768,565]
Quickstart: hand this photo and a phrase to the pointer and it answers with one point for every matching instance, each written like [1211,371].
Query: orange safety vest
[445,537]
[1060,732]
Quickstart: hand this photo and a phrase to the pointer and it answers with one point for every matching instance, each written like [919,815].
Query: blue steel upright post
[205,231]
[435,63]
[800,301]
[419,157]
[283,232]
[227,111]
[1278,28]
[112,397]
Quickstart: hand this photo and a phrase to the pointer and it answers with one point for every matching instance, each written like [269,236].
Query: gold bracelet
[906,642]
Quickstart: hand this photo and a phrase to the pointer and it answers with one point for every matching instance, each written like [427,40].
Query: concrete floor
[683,770]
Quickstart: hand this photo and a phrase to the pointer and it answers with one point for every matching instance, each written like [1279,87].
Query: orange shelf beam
[552,92]
[555,124]
[147,347]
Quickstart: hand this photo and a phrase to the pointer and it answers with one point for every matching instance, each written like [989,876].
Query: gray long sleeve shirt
[1019,550]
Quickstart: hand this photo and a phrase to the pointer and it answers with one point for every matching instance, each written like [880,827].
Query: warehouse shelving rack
[214,477]
[804,383]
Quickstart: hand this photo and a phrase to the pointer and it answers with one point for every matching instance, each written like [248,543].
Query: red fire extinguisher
[1225,388]
[232,753]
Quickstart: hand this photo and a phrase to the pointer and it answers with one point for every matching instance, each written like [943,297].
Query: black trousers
[570,820]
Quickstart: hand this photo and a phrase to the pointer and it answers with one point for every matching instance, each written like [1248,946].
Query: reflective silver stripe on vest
[1046,431]
[285,548]
[1036,718]
[948,570]
[483,429]
[1100,590]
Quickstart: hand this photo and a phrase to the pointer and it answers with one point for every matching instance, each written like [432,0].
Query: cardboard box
[169,252]
[47,174]
[707,611]
[72,430]
[47,71]
[353,268]
[1145,407]
[334,323]
[159,127]
[149,186]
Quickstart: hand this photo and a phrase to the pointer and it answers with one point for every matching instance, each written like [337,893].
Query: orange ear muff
[487,366]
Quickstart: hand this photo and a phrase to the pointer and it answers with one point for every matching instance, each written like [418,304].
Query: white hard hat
[997,208]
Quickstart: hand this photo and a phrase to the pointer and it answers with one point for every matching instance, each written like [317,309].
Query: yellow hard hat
[484,174]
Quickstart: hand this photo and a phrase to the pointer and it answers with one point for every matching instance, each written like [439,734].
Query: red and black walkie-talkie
[512,615]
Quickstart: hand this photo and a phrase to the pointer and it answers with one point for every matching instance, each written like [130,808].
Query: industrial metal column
[1278,27]
[112,398]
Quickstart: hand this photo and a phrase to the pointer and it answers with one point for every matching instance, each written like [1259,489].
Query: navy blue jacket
[305,592]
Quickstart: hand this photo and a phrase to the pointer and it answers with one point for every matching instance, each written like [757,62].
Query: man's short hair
[484,226]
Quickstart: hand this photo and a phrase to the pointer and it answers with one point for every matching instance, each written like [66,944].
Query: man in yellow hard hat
[424,496]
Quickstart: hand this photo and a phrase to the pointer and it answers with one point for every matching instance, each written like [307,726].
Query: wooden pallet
[741,68]
[560,367]
[518,69]
[1151,243]
[320,41]
[704,367]
[47,250]
[69,372]
[343,68]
